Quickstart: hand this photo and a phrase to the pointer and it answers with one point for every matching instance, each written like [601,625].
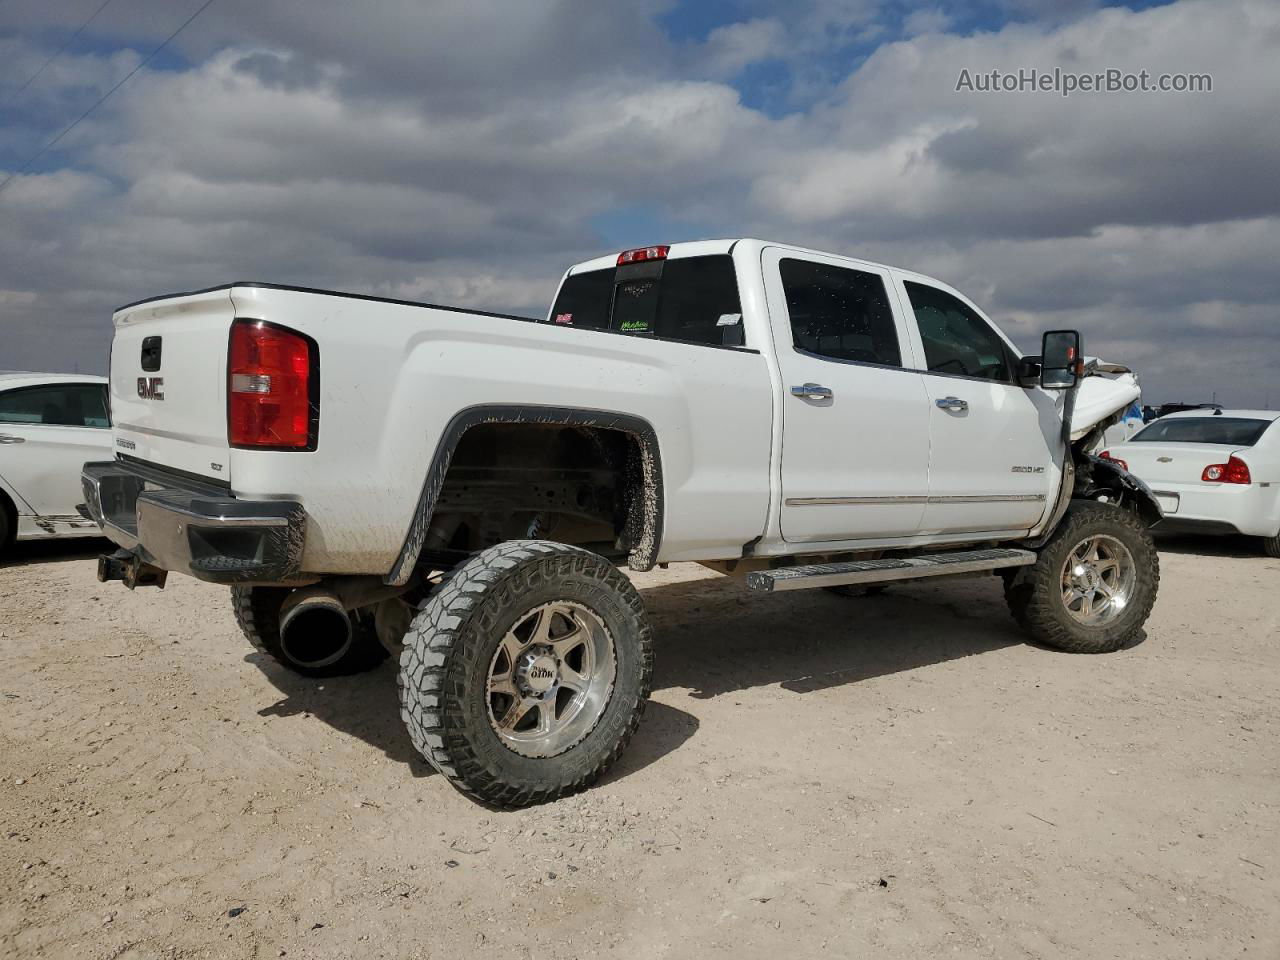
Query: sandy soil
[897,777]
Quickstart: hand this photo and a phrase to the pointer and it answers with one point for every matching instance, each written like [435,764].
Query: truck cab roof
[703,248]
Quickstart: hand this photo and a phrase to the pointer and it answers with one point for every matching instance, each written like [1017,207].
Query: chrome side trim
[1007,498]
[892,501]
[830,501]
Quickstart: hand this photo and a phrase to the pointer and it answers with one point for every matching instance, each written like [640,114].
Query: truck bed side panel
[393,376]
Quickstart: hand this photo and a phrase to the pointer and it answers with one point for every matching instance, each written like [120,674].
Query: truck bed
[393,374]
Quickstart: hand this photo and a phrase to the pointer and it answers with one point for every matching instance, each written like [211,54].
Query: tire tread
[427,685]
[1034,593]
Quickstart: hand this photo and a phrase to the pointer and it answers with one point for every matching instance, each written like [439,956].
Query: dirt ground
[890,777]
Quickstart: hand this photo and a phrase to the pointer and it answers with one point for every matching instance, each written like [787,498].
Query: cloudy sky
[466,153]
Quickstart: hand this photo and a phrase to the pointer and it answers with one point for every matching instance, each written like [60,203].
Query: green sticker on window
[633,325]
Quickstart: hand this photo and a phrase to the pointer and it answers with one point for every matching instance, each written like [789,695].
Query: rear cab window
[685,300]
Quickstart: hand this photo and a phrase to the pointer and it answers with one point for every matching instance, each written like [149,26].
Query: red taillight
[270,374]
[1234,470]
[642,254]
[1106,455]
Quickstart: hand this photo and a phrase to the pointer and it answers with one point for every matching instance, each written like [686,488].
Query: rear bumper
[1252,509]
[1192,525]
[206,534]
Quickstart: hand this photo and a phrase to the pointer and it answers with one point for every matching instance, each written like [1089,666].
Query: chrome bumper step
[887,571]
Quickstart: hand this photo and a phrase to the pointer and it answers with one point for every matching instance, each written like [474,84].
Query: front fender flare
[1121,486]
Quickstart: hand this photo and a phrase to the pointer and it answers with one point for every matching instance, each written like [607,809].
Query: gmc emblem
[151,388]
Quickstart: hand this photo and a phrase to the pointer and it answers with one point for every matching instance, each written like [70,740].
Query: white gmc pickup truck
[376,477]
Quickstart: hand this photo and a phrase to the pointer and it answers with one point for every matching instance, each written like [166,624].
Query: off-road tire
[257,611]
[854,590]
[1034,593]
[444,670]
[1270,545]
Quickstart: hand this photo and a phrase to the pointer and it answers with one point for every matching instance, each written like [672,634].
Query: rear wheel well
[577,483]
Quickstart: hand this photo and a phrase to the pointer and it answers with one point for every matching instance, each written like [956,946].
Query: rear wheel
[1271,546]
[525,675]
[313,654]
[1093,584]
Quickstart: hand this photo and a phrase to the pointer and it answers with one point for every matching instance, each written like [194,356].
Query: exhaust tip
[315,630]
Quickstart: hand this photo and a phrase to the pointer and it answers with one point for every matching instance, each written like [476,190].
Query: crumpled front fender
[1107,479]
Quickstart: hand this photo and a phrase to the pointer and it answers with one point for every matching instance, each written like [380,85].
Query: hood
[1106,390]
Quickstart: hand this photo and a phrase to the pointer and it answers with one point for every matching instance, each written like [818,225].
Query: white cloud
[398,150]
[732,47]
[926,20]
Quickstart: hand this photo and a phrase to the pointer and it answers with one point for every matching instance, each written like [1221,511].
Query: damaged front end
[1105,392]
[1097,401]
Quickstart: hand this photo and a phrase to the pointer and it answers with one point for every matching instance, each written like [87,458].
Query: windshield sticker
[564,318]
[632,326]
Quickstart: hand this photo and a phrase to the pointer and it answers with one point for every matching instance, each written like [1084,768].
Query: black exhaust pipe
[315,629]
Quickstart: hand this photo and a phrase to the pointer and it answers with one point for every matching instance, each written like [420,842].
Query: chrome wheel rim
[1098,580]
[550,679]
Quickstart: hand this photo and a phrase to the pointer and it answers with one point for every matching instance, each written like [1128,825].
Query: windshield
[1230,431]
[691,299]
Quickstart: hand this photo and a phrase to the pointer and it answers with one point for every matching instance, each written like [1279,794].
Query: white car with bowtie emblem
[50,424]
[1212,470]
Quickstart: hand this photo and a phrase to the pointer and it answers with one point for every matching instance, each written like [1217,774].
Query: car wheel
[1092,585]
[1271,546]
[526,673]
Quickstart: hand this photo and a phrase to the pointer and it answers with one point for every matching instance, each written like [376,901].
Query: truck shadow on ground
[714,638]
[367,707]
[30,552]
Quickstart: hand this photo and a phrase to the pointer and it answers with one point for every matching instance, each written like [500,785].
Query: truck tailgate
[168,382]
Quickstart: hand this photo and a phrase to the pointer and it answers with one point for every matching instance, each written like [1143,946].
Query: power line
[74,123]
[70,40]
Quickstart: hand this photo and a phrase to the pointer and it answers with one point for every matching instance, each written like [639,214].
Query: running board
[885,571]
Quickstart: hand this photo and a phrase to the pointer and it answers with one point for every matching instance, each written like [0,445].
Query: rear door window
[840,313]
[689,300]
[57,405]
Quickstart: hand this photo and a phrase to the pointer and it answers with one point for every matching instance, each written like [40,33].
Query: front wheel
[526,673]
[1093,584]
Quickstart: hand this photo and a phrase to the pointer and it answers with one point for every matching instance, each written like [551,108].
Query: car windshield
[1230,431]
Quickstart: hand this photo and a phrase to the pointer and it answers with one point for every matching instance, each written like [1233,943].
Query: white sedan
[50,424]
[1213,471]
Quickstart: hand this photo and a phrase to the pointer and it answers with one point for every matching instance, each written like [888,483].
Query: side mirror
[1060,360]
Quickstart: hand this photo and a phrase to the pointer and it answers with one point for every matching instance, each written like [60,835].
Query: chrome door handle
[5,438]
[952,403]
[812,391]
